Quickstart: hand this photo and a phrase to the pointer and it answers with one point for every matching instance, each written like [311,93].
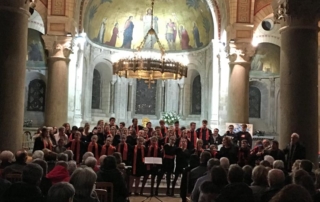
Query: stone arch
[196,95]
[188,89]
[105,73]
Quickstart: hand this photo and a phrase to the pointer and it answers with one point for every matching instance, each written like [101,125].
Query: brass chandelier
[149,64]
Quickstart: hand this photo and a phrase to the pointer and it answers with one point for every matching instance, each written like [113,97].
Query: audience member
[247,178]
[236,190]
[72,166]
[208,192]
[270,159]
[292,193]
[4,185]
[7,158]
[109,173]
[38,154]
[200,170]
[62,157]
[91,162]
[18,165]
[83,181]
[260,182]
[45,183]
[196,190]
[224,163]
[70,155]
[307,166]
[101,159]
[294,151]
[59,173]
[62,192]
[27,190]
[276,180]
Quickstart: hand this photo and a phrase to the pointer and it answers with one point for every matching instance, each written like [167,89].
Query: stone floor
[164,199]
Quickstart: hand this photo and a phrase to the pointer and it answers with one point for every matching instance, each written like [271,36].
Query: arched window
[36,95]
[196,96]
[254,102]
[96,90]
[146,97]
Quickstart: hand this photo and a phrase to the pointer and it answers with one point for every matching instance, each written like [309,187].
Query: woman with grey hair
[62,191]
[83,180]
[7,158]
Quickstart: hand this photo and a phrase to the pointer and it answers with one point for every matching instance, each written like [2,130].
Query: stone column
[181,97]
[238,93]
[163,96]
[112,94]
[129,96]
[299,73]
[13,48]
[56,110]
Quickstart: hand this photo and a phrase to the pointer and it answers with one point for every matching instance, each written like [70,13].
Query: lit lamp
[149,64]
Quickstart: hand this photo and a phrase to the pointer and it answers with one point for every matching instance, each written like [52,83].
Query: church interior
[230,62]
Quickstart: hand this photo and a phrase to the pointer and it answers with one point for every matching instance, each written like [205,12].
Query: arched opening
[146,94]
[196,95]
[36,95]
[96,90]
[254,102]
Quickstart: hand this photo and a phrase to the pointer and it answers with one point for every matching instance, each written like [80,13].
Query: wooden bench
[108,186]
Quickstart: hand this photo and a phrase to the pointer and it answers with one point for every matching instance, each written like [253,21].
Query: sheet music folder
[153,160]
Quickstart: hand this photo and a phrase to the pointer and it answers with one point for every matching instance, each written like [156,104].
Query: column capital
[58,46]
[296,12]
[240,52]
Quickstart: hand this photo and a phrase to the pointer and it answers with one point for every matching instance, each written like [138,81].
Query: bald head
[276,178]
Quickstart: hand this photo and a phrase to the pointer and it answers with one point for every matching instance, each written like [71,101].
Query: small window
[96,90]
[36,95]
[254,102]
[196,95]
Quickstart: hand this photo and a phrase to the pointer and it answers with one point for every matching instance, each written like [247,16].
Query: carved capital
[240,52]
[296,11]
[58,46]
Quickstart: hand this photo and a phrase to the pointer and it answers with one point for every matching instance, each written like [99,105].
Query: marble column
[181,98]
[129,97]
[13,48]
[299,74]
[112,95]
[56,109]
[238,93]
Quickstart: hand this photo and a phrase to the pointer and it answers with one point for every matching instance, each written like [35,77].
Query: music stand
[152,161]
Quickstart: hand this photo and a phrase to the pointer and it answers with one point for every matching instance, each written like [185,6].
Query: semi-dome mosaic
[180,24]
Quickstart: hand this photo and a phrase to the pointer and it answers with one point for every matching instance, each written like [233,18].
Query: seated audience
[70,155]
[109,173]
[270,159]
[307,166]
[260,182]
[207,177]
[292,193]
[91,162]
[6,158]
[38,155]
[45,183]
[303,178]
[276,180]
[101,159]
[224,163]
[4,185]
[18,165]
[317,177]
[62,157]
[62,192]
[72,166]
[27,190]
[59,173]
[208,192]
[247,177]
[83,181]
[236,190]
[200,170]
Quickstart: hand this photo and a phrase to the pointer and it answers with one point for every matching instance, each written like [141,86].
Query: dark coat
[236,192]
[23,192]
[294,153]
[114,176]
